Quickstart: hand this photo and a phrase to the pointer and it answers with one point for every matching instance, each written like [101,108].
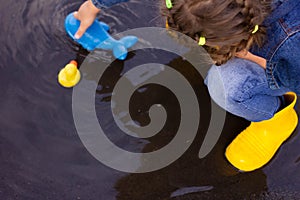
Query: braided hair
[227,25]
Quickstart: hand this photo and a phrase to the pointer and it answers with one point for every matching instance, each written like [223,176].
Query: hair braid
[226,24]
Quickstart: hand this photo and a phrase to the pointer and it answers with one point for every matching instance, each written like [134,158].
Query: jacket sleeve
[106,3]
[284,69]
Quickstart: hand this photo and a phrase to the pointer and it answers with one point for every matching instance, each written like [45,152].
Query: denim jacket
[106,3]
[282,47]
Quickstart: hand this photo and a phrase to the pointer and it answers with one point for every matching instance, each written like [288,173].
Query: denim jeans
[241,87]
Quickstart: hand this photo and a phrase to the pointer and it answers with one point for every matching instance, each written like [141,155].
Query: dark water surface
[41,155]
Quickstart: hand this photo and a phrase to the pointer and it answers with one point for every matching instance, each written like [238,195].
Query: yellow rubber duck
[69,76]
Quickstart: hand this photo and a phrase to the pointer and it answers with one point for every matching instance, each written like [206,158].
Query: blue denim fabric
[106,3]
[241,87]
[244,88]
[283,46]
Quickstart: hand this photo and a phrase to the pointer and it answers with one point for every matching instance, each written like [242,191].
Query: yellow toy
[69,76]
[257,144]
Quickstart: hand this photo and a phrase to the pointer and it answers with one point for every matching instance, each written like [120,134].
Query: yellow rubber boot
[257,144]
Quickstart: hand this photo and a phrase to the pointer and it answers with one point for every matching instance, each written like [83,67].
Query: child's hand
[86,15]
[243,54]
[254,58]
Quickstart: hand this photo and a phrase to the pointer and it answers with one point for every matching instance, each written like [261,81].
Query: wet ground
[41,154]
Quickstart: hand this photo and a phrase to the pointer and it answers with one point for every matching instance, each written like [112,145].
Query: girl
[254,85]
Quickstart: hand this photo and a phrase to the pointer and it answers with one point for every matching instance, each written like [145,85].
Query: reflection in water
[41,154]
[188,177]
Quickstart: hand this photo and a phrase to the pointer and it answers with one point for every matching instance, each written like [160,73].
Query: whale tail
[119,47]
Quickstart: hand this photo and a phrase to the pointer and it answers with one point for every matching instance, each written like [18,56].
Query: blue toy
[97,36]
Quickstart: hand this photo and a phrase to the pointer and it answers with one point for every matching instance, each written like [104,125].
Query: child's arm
[88,11]
[86,15]
[254,58]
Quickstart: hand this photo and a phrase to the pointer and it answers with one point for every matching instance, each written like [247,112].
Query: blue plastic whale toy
[97,36]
